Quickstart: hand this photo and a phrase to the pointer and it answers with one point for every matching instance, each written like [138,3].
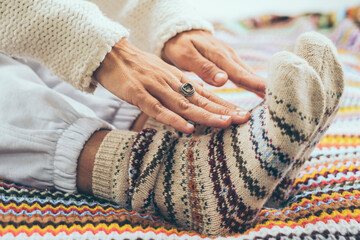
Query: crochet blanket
[325,199]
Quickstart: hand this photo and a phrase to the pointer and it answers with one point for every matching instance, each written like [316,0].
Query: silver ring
[187,90]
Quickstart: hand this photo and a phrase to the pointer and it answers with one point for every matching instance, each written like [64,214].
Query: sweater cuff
[82,78]
[84,54]
[177,25]
[70,37]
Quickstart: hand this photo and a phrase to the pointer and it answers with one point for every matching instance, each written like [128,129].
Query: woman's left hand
[212,60]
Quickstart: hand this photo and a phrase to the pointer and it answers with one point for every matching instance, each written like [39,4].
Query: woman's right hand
[146,81]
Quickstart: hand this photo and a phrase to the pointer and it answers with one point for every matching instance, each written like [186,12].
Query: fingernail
[219,77]
[189,125]
[242,114]
[224,117]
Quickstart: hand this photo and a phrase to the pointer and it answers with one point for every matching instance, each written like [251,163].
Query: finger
[198,81]
[219,106]
[261,95]
[216,99]
[251,82]
[238,74]
[238,115]
[213,103]
[238,59]
[153,108]
[243,78]
[205,69]
[205,93]
[180,105]
[258,78]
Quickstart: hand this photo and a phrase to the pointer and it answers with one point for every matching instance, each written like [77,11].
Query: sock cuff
[105,162]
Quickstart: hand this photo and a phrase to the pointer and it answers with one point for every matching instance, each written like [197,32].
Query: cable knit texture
[72,38]
[153,23]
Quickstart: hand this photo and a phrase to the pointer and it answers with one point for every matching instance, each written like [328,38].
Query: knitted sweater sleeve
[153,22]
[69,37]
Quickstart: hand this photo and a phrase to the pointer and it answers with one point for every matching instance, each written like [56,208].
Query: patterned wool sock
[321,54]
[215,183]
[198,128]
[127,164]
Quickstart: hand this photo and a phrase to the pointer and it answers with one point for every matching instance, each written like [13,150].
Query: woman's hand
[146,81]
[212,60]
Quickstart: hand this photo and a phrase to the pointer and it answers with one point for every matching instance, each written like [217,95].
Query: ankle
[86,161]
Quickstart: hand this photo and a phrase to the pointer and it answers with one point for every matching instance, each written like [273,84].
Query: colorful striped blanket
[325,200]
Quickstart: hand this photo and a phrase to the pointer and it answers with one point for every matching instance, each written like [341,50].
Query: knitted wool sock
[198,128]
[321,54]
[216,183]
[127,164]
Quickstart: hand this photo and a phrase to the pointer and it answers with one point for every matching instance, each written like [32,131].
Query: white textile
[73,37]
[44,124]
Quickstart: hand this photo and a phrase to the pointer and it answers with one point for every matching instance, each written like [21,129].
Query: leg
[321,54]
[216,183]
[42,131]
[86,161]
[104,104]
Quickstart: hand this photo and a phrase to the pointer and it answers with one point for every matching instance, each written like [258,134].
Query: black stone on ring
[187,90]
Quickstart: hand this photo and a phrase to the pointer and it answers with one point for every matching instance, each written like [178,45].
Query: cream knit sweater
[72,37]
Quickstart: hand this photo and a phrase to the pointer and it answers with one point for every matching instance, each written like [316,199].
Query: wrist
[110,60]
